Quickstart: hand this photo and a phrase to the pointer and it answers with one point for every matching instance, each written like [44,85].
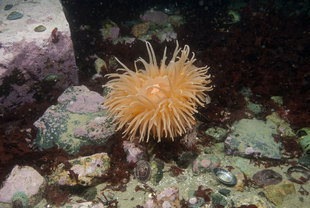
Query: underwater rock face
[27,57]
[24,180]
[253,138]
[76,120]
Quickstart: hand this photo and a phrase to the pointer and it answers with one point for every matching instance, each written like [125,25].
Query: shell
[225,176]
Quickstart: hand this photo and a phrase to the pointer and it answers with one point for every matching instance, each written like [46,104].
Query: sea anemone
[157,102]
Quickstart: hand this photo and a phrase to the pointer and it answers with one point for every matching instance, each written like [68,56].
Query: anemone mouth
[156,89]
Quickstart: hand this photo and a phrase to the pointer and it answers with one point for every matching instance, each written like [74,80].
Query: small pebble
[193,200]
[8,7]
[224,192]
[14,16]
[40,28]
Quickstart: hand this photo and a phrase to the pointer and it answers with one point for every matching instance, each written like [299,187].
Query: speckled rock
[76,120]
[27,57]
[253,138]
[24,180]
[84,171]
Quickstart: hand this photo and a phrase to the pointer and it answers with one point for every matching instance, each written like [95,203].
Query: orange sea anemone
[157,102]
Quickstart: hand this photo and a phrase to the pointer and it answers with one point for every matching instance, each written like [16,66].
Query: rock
[277,193]
[157,170]
[140,29]
[277,99]
[23,182]
[217,133]
[266,177]
[240,182]
[218,199]
[253,138]
[169,197]
[185,159]
[27,57]
[283,127]
[85,171]
[8,7]
[108,197]
[196,202]
[99,63]
[143,171]
[254,107]
[176,20]
[148,30]
[39,28]
[245,166]
[14,16]
[88,204]
[224,192]
[167,36]
[19,199]
[189,139]
[110,30]
[155,17]
[304,160]
[90,193]
[133,151]
[77,120]
[246,92]
[205,163]
[253,201]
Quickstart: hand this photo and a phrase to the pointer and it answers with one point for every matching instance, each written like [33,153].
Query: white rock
[25,179]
